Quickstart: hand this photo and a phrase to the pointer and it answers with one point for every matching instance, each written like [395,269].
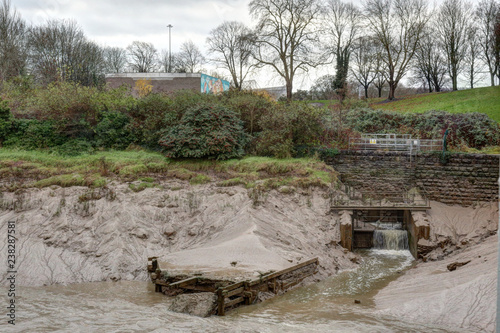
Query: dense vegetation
[69,119]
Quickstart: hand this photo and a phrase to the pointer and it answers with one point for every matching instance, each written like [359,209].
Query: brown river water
[132,306]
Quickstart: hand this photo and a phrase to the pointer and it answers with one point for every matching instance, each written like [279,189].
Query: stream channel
[132,306]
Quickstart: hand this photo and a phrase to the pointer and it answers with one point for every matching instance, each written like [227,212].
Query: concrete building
[167,82]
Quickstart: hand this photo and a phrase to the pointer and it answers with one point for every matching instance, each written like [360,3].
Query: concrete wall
[464,179]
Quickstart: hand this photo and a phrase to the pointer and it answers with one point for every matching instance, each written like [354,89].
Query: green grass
[41,169]
[483,100]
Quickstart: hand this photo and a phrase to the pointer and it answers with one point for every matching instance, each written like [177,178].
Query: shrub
[475,130]
[34,134]
[112,131]
[212,132]
[250,107]
[5,120]
[74,107]
[286,126]
[149,117]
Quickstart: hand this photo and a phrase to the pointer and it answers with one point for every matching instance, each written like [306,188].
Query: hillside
[483,100]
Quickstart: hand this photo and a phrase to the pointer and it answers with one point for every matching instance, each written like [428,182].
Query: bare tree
[12,42]
[496,46]
[232,43]
[380,67]
[430,64]
[115,59]
[287,36]
[59,51]
[486,14]
[142,57]
[364,61]
[344,24]
[191,57]
[453,19]
[474,67]
[398,26]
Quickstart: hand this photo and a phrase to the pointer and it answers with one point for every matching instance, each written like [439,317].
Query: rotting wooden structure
[232,294]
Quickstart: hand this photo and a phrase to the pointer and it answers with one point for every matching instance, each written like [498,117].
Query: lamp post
[169,47]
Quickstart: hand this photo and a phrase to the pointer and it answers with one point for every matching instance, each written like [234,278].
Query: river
[131,306]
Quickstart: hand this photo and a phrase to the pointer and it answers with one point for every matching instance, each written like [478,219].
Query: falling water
[390,239]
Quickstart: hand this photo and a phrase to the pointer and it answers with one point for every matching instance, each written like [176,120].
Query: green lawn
[483,100]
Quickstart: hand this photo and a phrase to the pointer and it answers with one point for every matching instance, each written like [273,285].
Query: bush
[474,130]
[34,134]
[150,116]
[112,131]
[74,107]
[212,132]
[250,106]
[286,126]
[5,120]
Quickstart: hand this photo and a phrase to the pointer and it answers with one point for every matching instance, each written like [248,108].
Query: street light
[169,47]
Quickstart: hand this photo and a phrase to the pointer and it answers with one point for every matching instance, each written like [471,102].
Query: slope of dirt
[69,235]
[463,297]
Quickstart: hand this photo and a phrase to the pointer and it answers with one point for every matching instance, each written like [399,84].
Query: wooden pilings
[247,291]
[229,294]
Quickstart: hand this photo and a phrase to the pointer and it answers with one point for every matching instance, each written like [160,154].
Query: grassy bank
[484,100]
[21,168]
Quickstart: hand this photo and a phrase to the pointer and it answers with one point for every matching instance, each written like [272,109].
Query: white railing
[394,142]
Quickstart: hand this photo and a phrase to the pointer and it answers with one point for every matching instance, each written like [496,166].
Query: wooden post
[220,302]
[154,264]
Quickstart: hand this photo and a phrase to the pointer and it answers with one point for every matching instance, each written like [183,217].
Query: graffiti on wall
[213,85]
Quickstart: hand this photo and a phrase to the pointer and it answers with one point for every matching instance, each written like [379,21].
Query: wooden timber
[361,207]
[247,291]
[231,295]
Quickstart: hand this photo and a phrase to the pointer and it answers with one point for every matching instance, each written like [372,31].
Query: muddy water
[135,307]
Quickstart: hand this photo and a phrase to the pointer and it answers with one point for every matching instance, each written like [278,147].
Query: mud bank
[441,291]
[73,235]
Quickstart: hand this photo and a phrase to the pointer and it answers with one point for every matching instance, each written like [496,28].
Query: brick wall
[464,179]
[159,85]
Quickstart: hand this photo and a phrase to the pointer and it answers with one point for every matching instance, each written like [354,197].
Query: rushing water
[124,306]
[390,239]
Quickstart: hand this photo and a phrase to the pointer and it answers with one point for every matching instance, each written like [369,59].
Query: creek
[132,306]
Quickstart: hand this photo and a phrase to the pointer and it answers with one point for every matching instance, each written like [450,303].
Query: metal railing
[394,142]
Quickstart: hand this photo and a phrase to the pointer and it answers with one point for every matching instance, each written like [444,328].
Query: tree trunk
[454,78]
[379,91]
[289,90]
[492,75]
[392,90]
[366,92]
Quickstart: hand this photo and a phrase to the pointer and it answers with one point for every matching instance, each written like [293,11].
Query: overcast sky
[120,22]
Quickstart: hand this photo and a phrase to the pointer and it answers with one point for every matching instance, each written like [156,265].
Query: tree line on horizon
[374,45]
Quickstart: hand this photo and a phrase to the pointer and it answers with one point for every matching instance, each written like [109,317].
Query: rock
[199,304]
[455,265]
[170,233]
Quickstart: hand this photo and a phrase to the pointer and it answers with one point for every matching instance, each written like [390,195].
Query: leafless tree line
[377,44]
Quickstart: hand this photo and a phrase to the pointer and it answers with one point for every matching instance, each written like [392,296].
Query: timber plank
[232,302]
[183,283]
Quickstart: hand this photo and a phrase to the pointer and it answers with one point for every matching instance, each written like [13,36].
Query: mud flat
[77,234]
[457,286]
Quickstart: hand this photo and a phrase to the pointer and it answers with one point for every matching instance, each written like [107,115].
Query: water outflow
[390,239]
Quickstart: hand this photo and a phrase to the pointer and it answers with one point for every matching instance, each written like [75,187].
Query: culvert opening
[381,229]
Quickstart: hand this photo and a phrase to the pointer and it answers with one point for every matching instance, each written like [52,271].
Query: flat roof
[153,75]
